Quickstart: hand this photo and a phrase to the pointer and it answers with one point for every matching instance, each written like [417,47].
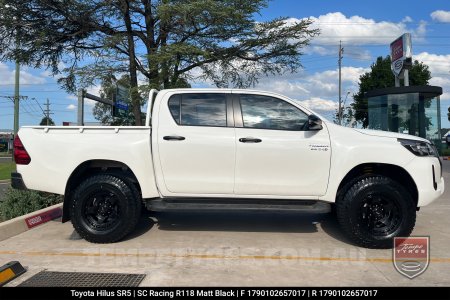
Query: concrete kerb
[26,222]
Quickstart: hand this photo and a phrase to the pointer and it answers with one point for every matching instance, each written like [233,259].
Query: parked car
[216,149]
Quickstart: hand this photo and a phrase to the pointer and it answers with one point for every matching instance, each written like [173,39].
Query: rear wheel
[374,210]
[105,208]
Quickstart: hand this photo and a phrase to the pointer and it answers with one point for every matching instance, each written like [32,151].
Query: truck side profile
[230,149]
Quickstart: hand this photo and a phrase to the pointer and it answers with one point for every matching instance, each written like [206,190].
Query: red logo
[396,49]
[43,217]
[411,255]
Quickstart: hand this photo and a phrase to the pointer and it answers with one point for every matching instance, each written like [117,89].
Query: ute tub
[57,151]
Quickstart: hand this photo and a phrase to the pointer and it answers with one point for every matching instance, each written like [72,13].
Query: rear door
[196,144]
[275,154]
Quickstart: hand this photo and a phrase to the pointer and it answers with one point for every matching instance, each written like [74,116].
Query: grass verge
[5,169]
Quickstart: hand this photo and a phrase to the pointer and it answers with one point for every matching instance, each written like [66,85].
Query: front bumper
[427,174]
[17,181]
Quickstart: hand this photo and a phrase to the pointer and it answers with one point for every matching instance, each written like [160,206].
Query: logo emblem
[411,255]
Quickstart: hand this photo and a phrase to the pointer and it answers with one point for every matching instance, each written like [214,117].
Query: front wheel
[374,210]
[105,208]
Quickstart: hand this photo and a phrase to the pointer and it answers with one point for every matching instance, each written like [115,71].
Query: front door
[276,155]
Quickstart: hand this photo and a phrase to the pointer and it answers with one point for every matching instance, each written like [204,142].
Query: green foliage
[17,203]
[380,76]
[44,121]
[6,169]
[445,152]
[168,42]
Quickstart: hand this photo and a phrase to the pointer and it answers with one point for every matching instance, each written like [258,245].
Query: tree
[47,121]
[167,42]
[380,76]
[103,112]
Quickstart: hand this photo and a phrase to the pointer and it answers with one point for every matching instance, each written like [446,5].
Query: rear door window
[202,109]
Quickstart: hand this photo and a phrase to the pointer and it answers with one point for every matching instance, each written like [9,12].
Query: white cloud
[316,103]
[441,16]
[318,91]
[407,19]
[71,107]
[72,97]
[335,27]
[439,68]
[7,76]
[439,64]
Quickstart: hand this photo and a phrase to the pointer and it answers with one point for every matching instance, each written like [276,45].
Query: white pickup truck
[230,149]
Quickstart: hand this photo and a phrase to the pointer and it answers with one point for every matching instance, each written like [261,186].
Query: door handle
[174,138]
[250,140]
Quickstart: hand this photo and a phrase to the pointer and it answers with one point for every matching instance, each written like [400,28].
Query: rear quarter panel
[57,151]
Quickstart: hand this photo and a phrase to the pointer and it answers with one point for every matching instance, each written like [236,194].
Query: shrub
[446,152]
[17,203]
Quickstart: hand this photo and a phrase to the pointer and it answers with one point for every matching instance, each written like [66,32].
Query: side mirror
[314,123]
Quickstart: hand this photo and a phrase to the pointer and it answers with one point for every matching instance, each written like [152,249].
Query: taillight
[21,156]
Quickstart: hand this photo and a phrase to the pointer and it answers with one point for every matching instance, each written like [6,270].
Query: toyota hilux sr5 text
[215,149]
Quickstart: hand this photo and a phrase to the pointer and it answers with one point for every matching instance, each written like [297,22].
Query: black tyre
[105,208]
[374,210]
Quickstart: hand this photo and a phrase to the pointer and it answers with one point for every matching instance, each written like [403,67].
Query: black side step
[194,204]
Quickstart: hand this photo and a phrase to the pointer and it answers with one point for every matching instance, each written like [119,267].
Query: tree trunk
[150,44]
[135,99]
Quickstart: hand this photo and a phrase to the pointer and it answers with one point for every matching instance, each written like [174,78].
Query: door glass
[199,109]
[265,112]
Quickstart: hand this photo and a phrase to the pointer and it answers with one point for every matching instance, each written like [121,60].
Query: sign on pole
[401,54]
[121,100]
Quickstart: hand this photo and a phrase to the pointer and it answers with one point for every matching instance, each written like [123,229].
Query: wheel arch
[90,168]
[394,172]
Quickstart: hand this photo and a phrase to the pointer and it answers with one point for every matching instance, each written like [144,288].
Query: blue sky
[365,27]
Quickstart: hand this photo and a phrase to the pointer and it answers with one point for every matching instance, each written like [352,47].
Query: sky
[365,28]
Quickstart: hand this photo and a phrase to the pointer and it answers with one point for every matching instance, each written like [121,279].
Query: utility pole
[47,112]
[16,98]
[341,52]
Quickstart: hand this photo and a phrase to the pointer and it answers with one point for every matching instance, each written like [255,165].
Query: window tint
[199,109]
[174,107]
[265,112]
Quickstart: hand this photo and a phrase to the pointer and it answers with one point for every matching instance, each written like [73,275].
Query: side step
[196,204]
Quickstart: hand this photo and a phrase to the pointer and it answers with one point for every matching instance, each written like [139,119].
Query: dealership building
[406,109]
[412,110]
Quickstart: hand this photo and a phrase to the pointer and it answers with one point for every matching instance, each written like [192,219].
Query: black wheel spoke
[379,214]
[102,210]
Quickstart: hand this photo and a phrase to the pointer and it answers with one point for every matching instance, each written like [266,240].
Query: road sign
[121,100]
[121,105]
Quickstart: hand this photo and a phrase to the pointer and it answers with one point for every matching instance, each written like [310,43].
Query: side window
[264,112]
[199,109]
[174,107]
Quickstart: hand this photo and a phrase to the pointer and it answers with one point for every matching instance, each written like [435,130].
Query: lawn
[5,169]
[446,152]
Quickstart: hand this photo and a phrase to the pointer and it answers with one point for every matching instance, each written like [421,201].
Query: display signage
[400,52]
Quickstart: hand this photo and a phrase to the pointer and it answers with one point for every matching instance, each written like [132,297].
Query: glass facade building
[412,110]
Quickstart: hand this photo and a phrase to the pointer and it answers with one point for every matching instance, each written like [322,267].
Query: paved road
[238,249]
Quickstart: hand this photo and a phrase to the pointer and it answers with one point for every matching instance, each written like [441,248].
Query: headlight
[419,148]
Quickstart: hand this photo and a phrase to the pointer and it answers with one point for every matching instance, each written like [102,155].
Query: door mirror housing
[314,123]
